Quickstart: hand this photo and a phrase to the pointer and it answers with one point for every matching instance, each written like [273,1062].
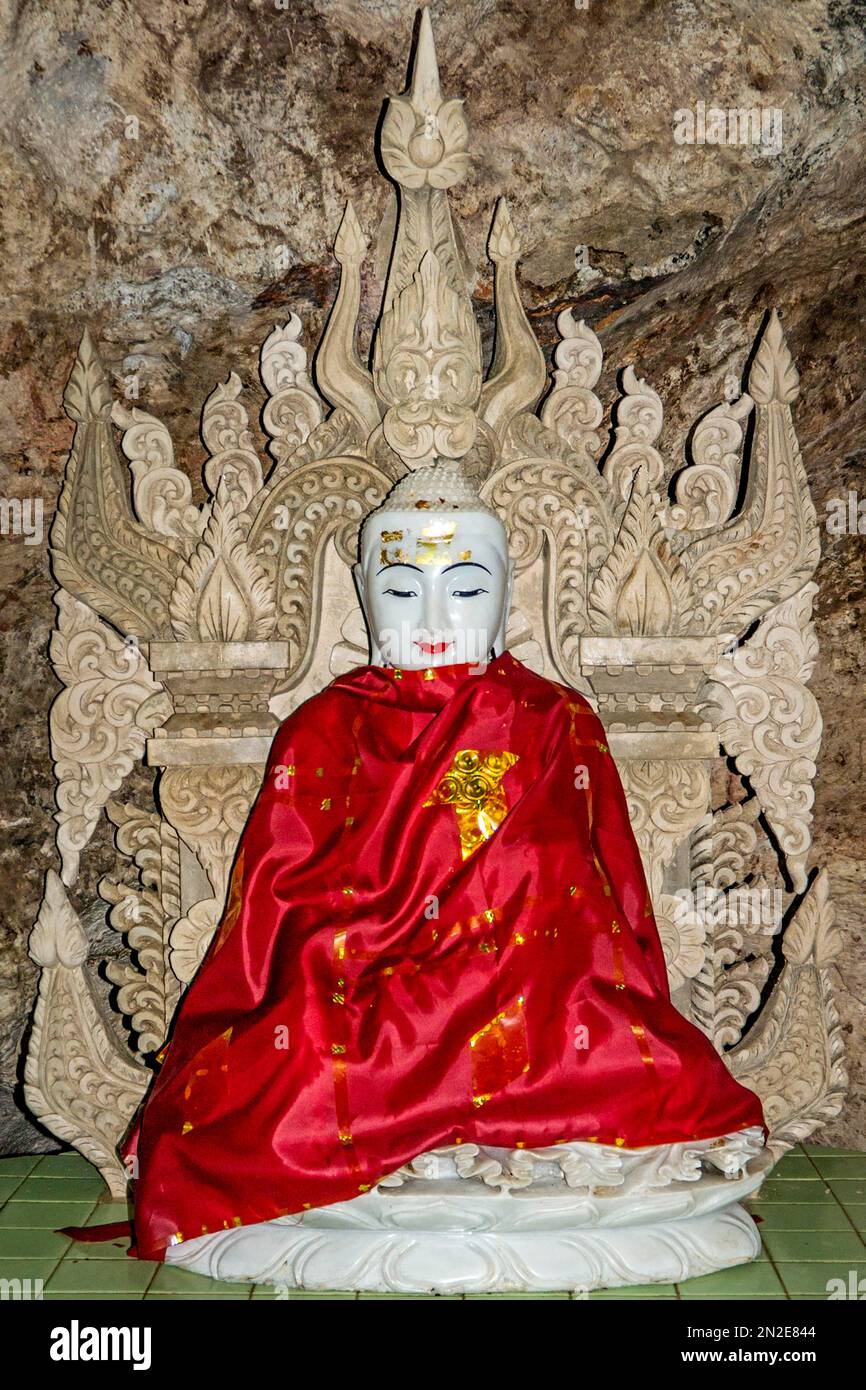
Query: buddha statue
[438,931]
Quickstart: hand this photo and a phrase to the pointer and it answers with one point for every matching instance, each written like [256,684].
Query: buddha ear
[499,640]
[358,576]
[376,658]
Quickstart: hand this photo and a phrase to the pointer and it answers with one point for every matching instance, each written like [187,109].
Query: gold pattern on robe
[339,1043]
[643,1044]
[635,1023]
[473,787]
[499,1052]
[206,1086]
[233,905]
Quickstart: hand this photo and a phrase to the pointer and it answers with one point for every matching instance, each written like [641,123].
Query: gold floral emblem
[473,786]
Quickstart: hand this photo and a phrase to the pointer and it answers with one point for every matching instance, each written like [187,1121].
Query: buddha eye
[401,593]
[468,593]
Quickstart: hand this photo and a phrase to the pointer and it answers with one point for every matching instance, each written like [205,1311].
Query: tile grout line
[785,1291]
[826,1182]
[777,1271]
[834,1200]
[42,1166]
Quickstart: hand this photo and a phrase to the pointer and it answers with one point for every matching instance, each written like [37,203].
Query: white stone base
[452,1236]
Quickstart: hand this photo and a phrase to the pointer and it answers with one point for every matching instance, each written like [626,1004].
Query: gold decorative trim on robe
[473,787]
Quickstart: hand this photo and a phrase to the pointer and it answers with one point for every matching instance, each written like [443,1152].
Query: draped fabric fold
[438,930]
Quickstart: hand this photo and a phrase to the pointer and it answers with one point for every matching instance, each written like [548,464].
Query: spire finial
[425,91]
[424,138]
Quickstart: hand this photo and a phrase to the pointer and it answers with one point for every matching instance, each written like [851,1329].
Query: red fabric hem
[91,1235]
[157,1252]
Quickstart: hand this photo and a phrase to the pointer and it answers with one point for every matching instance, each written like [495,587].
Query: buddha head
[434,576]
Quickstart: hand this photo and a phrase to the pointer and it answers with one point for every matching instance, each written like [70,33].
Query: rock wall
[174,177]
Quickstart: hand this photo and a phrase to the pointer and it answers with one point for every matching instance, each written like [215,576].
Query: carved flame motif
[641,587]
[294,409]
[222,595]
[161,493]
[572,409]
[234,461]
[675,598]
[427,367]
[638,425]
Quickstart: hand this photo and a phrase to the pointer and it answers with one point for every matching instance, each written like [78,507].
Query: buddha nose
[436,613]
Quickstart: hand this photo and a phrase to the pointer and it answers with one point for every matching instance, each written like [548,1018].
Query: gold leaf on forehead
[439,531]
[427,552]
[391,536]
[433,557]
[393,557]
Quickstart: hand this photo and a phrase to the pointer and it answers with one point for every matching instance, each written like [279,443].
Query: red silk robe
[438,930]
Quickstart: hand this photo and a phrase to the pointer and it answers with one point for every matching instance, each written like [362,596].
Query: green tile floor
[813,1211]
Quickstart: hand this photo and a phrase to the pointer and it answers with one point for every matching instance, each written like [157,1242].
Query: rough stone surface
[182,247]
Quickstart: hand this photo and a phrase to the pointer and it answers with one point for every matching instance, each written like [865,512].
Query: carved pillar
[212,752]
[647,693]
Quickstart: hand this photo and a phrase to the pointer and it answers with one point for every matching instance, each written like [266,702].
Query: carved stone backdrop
[676,594]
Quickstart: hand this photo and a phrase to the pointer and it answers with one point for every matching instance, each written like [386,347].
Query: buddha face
[434,587]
